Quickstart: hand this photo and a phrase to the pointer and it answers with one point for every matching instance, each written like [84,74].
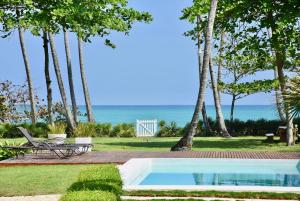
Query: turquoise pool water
[219,172]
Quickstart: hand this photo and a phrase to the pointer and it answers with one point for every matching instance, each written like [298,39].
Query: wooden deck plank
[120,157]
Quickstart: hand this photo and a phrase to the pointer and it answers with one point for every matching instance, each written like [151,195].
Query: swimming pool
[211,174]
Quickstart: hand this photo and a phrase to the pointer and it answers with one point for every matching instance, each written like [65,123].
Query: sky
[154,65]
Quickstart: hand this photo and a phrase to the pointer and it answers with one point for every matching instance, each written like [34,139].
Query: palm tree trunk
[220,63]
[69,116]
[186,142]
[278,97]
[47,78]
[84,83]
[70,75]
[219,114]
[203,111]
[232,107]
[28,75]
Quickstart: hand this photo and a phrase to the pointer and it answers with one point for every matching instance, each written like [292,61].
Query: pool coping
[138,162]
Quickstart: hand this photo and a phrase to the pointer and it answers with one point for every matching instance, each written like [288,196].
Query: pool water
[211,172]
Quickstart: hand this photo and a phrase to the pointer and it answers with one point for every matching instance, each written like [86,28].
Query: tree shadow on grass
[233,143]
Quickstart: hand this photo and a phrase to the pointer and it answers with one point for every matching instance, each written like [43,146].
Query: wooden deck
[120,157]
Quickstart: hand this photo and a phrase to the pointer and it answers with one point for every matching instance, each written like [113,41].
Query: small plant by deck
[57,128]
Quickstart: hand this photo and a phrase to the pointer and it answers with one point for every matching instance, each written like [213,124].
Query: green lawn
[200,144]
[37,180]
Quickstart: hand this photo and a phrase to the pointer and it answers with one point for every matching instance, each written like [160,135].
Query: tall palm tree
[28,75]
[292,97]
[70,75]
[60,82]
[84,83]
[219,114]
[203,111]
[186,142]
[47,77]
[220,63]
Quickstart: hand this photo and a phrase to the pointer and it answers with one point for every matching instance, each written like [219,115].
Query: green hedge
[102,183]
[236,128]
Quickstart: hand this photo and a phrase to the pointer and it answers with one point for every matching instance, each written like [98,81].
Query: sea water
[181,114]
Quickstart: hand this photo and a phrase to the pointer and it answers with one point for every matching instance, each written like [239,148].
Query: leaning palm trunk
[70,75]
[84,83]
[186,142]
[69,116]
[220,63]
[219,114]
[47,78]
[28,74]
[203,111]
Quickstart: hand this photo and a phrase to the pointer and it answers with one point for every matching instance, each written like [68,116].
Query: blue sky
[154,65]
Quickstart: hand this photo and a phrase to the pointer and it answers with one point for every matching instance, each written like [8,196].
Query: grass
[95,183]
[200,144]
[37,180]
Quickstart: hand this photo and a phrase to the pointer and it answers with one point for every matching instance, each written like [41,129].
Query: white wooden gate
[146,128]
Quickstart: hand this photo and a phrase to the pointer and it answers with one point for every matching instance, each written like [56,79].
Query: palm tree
[84,83]
[292,97]
[47,77]
[28,74]
[186,142]
[69,116]
[219,114]
[70,75]
[204,114]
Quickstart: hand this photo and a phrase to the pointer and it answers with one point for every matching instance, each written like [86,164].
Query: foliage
[123,130]
[103,129]
[13,101]
[10,130]
[8,153]
[85,130]
[169,130]
[292,97]
[100,183]
[57,128]
[249,87]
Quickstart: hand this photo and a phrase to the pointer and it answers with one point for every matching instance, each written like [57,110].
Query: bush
[10,130]
[103,130]
[85,130]
[7,153]
[89,196]
[123,130]
[169,130]
[100,183]
[57,128]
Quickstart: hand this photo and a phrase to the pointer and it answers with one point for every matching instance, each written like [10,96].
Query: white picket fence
[146,128]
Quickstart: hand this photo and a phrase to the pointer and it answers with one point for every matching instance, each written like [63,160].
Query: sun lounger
[60,149]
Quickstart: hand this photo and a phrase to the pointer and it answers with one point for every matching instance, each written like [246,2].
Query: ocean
[181,114]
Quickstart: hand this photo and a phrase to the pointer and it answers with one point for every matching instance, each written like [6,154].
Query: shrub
[103,130]
[100,183]
[7,153]
[89,196]
[169,130]
[10,130]
[85,130]
[123,130]
[57,128]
